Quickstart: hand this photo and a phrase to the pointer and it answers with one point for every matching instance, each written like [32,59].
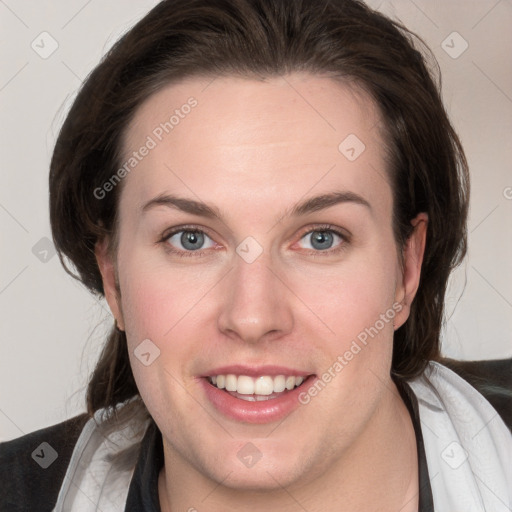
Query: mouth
[255,395]
[256,389]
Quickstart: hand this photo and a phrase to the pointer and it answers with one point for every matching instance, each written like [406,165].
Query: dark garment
[26,486]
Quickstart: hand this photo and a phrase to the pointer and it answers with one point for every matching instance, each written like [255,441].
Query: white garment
[468,449]
[467,444]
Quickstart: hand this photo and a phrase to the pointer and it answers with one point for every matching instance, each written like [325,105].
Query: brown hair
[256,39]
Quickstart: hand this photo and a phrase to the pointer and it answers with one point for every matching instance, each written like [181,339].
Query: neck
[379,472]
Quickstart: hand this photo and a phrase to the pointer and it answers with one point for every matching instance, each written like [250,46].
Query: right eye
[190,241]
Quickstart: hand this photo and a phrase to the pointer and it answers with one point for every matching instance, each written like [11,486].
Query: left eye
[321,239]
[190,240]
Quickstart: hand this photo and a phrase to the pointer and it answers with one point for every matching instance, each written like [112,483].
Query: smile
[253,389]
[255,393]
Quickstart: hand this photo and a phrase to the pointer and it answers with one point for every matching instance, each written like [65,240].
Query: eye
[188,240]
[323,239]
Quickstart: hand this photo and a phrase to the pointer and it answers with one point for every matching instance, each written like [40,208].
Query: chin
[251,469]
[264,479]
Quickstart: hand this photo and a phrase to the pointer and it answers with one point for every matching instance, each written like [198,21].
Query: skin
[253,149]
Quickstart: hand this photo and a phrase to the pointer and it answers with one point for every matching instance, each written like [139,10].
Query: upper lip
[256,371]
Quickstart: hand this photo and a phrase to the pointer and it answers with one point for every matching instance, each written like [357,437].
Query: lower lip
[265,411]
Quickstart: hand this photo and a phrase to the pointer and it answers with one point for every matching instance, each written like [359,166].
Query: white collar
[467,444]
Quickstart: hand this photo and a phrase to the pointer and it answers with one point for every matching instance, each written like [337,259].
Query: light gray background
[52,328]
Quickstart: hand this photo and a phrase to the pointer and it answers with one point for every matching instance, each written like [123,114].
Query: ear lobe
[108,275]
[413,253]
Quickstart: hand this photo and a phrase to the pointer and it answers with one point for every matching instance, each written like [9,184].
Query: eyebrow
[310,205]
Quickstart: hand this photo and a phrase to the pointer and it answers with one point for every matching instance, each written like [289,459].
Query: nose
[256,303]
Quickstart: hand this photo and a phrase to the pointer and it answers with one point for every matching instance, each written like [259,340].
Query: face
[256,252]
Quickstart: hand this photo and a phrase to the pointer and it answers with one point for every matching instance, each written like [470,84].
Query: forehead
[254,139]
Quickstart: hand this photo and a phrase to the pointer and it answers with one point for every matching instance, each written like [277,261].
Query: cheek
[158,306]
[170,305]
[156,296]
[155,301]
[351,296]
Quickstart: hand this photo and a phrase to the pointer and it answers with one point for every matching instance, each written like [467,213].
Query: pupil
[191,240]
[321,239]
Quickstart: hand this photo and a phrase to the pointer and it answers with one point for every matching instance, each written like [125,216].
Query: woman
[271,198]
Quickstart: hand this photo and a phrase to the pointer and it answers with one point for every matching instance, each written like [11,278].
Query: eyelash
[201,253]
[345,240]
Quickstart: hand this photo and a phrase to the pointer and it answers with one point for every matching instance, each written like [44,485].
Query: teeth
[290,383]
[261,386]
[245,385]
[279,383]
[264,386]
[253,398]
[231,382]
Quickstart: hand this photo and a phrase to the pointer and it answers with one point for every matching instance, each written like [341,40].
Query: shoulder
[468,445]
[33,466]
[492,379]
[467,389]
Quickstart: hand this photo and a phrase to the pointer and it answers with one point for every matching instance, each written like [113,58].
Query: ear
[413,252]
[108,275]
